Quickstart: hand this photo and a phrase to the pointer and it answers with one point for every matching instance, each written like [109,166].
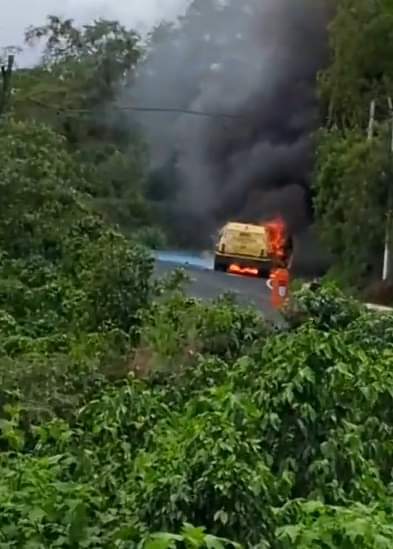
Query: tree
[39,183]
[57,253]
[75,89]
[96,57]
[79,76]
[361,68]
[350,187]
[353,175]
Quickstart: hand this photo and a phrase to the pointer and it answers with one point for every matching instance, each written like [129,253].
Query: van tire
[221,267]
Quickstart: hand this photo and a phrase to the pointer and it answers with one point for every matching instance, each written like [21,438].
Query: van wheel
[219,266]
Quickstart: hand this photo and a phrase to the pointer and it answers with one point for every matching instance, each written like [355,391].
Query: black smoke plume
[255,61]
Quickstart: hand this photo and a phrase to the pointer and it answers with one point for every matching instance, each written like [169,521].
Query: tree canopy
[361,67]
[353,176]
[74,89]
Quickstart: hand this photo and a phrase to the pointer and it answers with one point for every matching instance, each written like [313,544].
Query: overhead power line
[60,110]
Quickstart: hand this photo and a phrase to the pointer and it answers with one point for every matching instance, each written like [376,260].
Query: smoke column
[256,60]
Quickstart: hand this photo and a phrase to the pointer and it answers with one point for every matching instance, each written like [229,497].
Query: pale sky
[17,15]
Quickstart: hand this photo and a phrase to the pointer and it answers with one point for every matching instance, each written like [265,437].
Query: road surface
[208,284]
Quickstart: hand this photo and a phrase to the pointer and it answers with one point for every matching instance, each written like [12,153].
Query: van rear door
[246,242]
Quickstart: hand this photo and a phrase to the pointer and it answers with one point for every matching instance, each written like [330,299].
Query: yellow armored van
[251,248]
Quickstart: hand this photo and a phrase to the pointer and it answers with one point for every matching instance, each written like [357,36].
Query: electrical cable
[168,110]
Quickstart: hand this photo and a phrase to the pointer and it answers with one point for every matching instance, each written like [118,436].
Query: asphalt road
[208,284]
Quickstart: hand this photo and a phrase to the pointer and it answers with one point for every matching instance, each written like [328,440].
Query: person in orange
[278,283]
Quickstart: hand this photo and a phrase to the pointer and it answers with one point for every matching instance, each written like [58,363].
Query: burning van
[245,248]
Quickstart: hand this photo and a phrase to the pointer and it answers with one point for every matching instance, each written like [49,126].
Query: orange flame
[236,269]
[277,237]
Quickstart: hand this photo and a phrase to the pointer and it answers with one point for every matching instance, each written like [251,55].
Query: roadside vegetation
[353,171]
[134,416]
[129,409]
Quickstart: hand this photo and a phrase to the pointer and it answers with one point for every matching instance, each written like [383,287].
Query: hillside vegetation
[352,180]
[127,411]
[133,416]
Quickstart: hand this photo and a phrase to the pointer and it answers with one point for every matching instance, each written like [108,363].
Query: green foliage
[274,439]
[73,89]
[71,289]
[352,527]
[190,537]
[352,175]
[327,308]
[226,484]
[152,237]
[361,67]
[31,153]
[54,249]
[93,60]
[350,186]
[117,180]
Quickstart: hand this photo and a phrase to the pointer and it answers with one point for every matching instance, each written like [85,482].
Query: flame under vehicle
[247,248]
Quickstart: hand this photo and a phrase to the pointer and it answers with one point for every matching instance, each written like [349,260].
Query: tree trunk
[5,92]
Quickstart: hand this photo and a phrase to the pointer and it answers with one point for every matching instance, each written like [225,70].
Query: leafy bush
[71,288]
[152,237]
[318,525]
[178,324]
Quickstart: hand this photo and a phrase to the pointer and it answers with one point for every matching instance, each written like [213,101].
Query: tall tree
[81,69]
[361,68]
[75,88]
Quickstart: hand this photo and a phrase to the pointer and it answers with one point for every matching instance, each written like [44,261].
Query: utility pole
[6,87]
[387,268]
[370,132]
